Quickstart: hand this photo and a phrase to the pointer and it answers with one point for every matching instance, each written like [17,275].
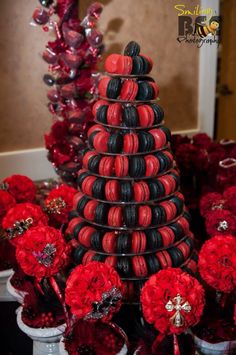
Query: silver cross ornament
[178,304]
[222,226]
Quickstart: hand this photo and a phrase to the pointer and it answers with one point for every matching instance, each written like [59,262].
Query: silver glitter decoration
[46,256]
[222,226]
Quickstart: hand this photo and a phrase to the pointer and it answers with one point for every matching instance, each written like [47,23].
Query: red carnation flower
[21,218]
[43,252]
[7,201]
[201,160]
[220,222]
[172,301]
[177,140]
[58,203]
[217,262]
[21,187]
[230,195]
[94,291]
[210,202]
[202,141]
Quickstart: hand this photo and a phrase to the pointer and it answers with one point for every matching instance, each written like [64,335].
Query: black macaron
[130,216]
[99,257]
[145,91]
[132,49]
[158,113]
[164,161]
[137,166]
[194,257]
[101,114]
[190,243]
[78,254]
[158,215]
[179,203]
[154,239]
[126,191]
[115,143]
[176,178]
[130,116]
[146,141]
[91,138]
[177,229]
[113,88]
[187,216]
[93,163]
[77,229]
[153,264]
[101,213]
[123,243]
[81,204]
[146,65]
[138,66]
[167,133]
[96,240]
[123,266]
[81,178]
[156,189]
[98,188]
[176,256]
[72,214]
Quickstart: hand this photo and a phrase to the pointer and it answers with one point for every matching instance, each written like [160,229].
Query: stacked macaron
[129,212]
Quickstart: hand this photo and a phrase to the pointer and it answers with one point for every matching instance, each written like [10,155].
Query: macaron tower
[129,212]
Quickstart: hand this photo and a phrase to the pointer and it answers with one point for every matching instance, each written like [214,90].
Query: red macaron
[106,166]
[121,165]
[159,137]
[84,236]
[112,190]
[87,157]
[146,115]
[87,185]
[100,141]
[130,143]
[129,90]
[184,248]
[124,65]
[168,183]
[139,266]
[155,88]
[141,191]
[111,63]
[164,259]
[88,257]
[109,242]
[96,127]
[72,224]
[115,216]
[76,199]
[89,210]
[144,216]
[152,165]
[168,236]
[114,114]
[139,242]
[111,260]
[102,86]
[98,104]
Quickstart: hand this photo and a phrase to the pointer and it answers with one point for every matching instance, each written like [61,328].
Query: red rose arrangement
[43,252]
[20,187]
[94,291]
[220,222]
[58,203]
[7,201]
[217,262]
[211,201]
[21,218]
[172,301]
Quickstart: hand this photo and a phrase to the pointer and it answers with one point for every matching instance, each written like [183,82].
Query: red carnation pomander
[58,203]
[172,301]
[7,201]
[220,222]
[21,187]
[94,291]
[211,201]
[202,140]
[230,195]
[217,262]
[21,218]
[43,252]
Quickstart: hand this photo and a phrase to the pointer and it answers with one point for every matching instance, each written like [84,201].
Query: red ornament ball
[21,187]
[58,203]
[43,252]
[94,291]
[172,301]
[7,201]
[220,222]
[217,262]
[20,218]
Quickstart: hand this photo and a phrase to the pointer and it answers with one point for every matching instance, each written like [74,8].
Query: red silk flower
[43,252]
[202,140]
[230,195]
[7,201]
[210,202]
[21,218]
[94,291]
[217,262]
[172,301]
[21,187]
[220,222]
[58,203]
